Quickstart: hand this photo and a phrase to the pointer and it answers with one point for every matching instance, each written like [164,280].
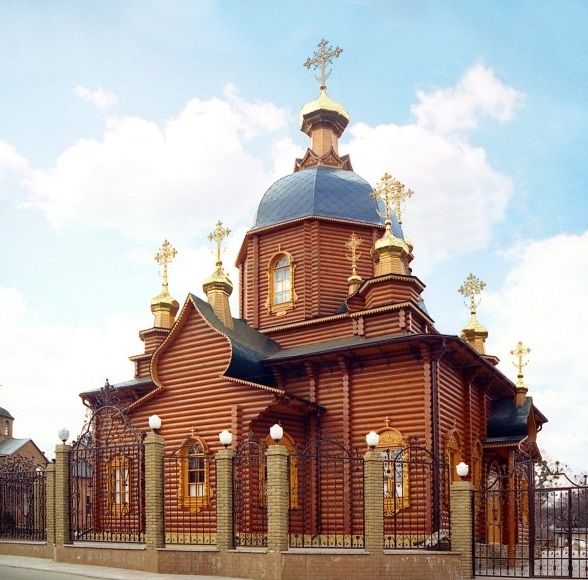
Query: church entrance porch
[527,527]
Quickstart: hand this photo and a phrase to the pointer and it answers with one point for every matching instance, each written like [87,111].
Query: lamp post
[372,439]
[462,469]
[63,434]
[155,422]
[276,432]
[226,438]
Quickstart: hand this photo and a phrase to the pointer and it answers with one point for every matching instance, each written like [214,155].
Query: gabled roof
[10,446]
[5,413]
[249,346]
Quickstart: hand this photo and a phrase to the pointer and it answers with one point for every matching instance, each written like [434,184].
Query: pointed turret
[163,306]
[217,286]
[521,391]
[392,253]
[354,281]
[473,332]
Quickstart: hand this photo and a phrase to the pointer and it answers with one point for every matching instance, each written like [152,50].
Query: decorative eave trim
[140,356]
[255,385]
[153,330]
[358,314]
[272,227]
[385,277]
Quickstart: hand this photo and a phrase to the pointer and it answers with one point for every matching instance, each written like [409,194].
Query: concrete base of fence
[255,562]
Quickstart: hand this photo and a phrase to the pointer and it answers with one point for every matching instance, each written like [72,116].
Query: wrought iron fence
[326,496]
[189,477]
[249,494]
[107,480]
[22,500]
[416,486]
[524,529]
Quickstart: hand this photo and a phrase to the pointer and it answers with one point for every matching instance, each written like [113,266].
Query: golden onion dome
[323,103]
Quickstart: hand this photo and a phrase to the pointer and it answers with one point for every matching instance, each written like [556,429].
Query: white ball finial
[276,432]
[225,437]
[462,469]
[372,439]
[154,422]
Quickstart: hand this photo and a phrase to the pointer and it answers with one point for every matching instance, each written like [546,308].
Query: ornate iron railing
[326,496]
[189,498]
[416,486]
[249,494]
[524,528]
[107,480]
[22,500]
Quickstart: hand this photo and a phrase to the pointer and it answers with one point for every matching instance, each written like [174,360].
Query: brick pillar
[62,526]
[278,498]
[224,499]
[50,503]
[373,494]
[461,524]
[154,523]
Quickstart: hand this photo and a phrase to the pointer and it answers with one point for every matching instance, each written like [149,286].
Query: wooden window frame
[393,446]
[453,453]
[202,500]
[119,498]
[281,308]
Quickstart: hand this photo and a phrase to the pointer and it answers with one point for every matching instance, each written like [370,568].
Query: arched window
[288,443]
[194,484]
[281,295]
[119,484]
[453,452]
[393,448]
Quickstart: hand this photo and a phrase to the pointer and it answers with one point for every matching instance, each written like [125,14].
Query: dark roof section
[5,413]
[320,192]
[507,420]
[142,386]
[249,347]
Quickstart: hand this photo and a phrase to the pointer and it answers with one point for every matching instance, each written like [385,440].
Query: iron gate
[524,528]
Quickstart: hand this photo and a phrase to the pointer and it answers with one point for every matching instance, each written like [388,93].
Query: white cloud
[152,180]
[10,160]
[479,94]
[99,98]
[45,367]
[543,303]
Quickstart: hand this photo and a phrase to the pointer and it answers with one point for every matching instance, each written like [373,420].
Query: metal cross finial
[471,288]
[352,244]
[519,352]
[164,257]
[320,59]
[218,235]
[392,193]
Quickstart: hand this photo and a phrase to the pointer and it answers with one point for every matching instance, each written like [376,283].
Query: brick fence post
[278,498]
[50,503]
[461,524]
[62,524]
[373,493]
[224,499]
[154,523]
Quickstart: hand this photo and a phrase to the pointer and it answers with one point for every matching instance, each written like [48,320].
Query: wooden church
[332,338]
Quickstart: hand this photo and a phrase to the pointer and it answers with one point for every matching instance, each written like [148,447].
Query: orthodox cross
[218,235]
[392,193]
[320,59]
[471,288]
[519,352]
[352,244]
[164,257]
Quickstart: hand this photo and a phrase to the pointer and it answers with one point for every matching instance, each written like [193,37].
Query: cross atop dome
[320,59]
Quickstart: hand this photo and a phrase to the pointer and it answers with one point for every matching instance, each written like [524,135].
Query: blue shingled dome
[320,192]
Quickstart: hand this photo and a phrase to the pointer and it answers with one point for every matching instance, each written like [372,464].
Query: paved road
[21,568]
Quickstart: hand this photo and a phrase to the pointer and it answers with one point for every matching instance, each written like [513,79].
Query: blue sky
[106,117]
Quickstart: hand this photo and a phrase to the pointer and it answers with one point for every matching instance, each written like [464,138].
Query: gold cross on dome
[519,352]
[471,288]
[352,244]
[392,193]
[164,257]
[320,59]
[218,235]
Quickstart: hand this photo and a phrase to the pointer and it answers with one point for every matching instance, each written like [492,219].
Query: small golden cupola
[163,306]
[218,287]
[323,119]
[519,352]
[354,281]
[392,252]
[473,332]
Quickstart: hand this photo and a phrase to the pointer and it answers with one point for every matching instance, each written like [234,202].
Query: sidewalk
[95,571]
